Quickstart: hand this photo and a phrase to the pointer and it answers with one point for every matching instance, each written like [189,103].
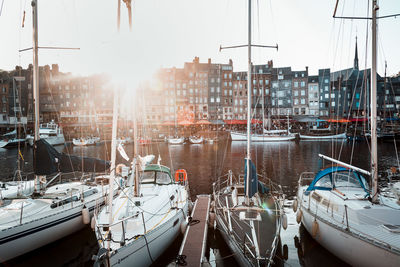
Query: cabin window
[345,179]
[324,182]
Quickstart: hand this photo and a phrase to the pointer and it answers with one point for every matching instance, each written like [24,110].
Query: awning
[358,119]
[168,123]
[185,123]
[203,122]
[338,120]
[217,122]
[254,121]
[231,122]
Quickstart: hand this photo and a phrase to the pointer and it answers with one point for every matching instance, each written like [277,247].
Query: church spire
[356,57]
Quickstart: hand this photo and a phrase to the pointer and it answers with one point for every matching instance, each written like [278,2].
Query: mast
[248,108]
[35,79]
[113,157]
[135,151]
[374,153]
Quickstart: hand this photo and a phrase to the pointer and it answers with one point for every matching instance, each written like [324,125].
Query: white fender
[85,215]
[284,221]
[294,205]
[183,226]
[298,216]
[93,223]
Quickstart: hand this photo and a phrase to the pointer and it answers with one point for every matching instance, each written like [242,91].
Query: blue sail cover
[253,178]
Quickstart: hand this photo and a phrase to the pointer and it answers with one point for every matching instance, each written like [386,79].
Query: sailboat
[86,141]
[51,212]
[337,207]
[11,140]
[145,218]
[266,135]
[247,210]
[51,132]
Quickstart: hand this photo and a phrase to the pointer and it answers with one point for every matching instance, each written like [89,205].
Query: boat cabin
[338,178]
[156,174]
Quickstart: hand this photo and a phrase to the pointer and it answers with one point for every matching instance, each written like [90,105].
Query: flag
[122,152]
[253,185]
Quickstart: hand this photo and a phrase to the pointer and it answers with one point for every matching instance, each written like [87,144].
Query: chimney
[230,62]
[270,64]
[209,61]
[307,70]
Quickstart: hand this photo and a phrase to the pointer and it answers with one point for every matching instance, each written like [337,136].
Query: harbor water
[282,162]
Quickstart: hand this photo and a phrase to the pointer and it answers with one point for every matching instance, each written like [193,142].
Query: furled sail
[47,160]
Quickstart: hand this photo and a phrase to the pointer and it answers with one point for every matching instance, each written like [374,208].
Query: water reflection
[282,162]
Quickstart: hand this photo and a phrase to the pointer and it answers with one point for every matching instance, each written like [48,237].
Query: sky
[167,33]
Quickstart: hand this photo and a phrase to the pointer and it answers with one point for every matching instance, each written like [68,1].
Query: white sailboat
[337,207]
[196,139]
[50,213]
[51,132]
[248,211]
[145,218]
[86,141]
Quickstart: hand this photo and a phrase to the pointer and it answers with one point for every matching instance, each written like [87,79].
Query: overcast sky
[167,33]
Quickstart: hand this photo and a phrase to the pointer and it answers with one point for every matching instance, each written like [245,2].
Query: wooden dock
[194,242]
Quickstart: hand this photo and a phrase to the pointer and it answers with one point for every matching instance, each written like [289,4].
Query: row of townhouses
[198,91]
[214,92]
[73,101]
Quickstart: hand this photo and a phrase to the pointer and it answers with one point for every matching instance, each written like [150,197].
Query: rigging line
[1,9]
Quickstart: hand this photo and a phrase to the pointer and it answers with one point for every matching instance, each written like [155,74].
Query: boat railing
[306,178]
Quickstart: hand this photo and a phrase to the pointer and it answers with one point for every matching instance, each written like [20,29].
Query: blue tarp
[253,178]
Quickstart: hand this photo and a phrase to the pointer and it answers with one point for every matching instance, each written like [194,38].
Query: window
[302,84]
[296,93]
[296,84]
[212,89]
[303,101]
[212,99]
[357,95]
[296,101]
[218,99]
[280,102]
[326,88]
[303,92]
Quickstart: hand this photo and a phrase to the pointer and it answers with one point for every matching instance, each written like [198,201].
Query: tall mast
[113,157]
[135,150]
[35,68]
[248,108]
[374,153]
[35,79]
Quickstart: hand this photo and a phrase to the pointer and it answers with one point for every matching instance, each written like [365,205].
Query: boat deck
[194,241]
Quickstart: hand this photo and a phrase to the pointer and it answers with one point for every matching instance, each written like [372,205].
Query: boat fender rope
[148,249]
[181,260]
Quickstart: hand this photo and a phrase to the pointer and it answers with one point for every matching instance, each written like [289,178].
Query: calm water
[282,162]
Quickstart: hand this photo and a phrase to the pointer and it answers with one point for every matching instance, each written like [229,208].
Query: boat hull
[262,138]
[26,237]
[323,137]
[176,141]
[347,247]
[147,248]
[52,140]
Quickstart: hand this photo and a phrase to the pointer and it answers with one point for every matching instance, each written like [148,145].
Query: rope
[148,250]
[181,260]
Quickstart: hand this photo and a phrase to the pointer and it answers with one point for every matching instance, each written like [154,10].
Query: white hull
[321,137]
[52,140]
[85,141]
[262,138]
[195,140]
[347,247]
[176,141]
[137,253]
[41,224]
[12,142]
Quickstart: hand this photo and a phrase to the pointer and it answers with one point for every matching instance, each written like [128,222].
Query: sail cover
[253,178]
[47,160]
